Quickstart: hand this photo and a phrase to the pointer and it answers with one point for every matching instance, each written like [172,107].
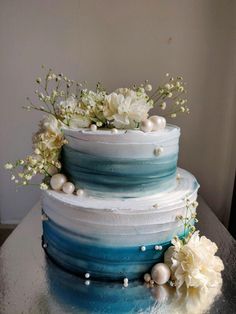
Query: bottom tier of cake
[110,239]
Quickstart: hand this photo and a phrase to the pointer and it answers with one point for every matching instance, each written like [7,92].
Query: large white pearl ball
[57,181]
[159,123]
[160,273]
[68,188]
[146,125]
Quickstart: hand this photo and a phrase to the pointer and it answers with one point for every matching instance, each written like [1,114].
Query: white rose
[194,264]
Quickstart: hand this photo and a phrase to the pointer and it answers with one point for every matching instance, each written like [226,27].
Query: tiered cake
[132,194]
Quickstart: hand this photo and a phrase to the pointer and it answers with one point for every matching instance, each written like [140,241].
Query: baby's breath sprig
[170,97]
[189,219]
[52,89]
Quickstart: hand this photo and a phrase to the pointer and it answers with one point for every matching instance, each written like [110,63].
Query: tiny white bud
[148,87]
[8,166]
[163,105]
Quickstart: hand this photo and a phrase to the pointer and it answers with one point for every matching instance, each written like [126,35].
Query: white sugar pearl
[126,284]
[159,123]
[57,181]
[143,248]
[126,280]
[114,131]
[146,125]
[45,245]
[87,275]
[80,192]
[158,151]
[147,277]
[93,127]
[68,188]
[87,282]
[160,273]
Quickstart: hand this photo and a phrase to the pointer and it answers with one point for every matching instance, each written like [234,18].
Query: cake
[129,211]
[115,207]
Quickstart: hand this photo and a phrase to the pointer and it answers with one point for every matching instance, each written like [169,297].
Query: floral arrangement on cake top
[69,104]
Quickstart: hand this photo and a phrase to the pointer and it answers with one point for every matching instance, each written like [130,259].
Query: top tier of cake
[125,163]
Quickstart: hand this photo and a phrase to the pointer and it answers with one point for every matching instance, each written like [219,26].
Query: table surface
[31,283]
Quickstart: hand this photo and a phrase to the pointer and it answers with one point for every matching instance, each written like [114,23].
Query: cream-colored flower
[8,166]
[79,121]
[194,264]
[125,108]
[51,124]
[43,186]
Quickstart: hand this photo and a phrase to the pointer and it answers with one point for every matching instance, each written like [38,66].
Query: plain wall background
[119,43]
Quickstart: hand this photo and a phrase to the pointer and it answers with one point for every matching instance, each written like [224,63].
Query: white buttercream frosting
[117,221]
[124,143]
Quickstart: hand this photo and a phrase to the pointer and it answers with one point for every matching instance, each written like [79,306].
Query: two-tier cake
[115,206]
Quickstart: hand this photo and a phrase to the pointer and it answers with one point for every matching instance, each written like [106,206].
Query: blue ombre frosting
[100,261]
[124,164]
[126,177]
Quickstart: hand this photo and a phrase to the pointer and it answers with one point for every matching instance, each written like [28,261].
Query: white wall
[121,42]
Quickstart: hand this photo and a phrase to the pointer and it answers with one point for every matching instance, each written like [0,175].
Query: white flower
[43,186]
[8,166]
[69,104]
[90,98]
[79,121]
[194,263]
[125,108]
[51,124]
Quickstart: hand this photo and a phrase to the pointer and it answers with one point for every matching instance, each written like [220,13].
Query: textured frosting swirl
[126,164]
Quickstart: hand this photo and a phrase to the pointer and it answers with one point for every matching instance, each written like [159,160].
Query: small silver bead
[45,245]
[87,275]
[87,282]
